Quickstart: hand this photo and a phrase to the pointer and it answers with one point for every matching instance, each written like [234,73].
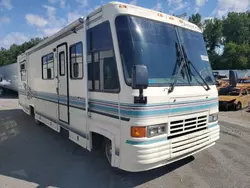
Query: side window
[76,61]
[62,63]
[102,68]
[48,67]
[23,71]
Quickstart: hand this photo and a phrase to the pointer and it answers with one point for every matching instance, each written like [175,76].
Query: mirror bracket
[141,99]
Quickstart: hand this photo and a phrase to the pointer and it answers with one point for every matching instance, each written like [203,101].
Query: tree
[231,32]
[236,56]
[236,28]
[10,56]
[196,19]
[213,34]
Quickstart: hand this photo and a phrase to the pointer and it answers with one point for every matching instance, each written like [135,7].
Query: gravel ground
[36,156]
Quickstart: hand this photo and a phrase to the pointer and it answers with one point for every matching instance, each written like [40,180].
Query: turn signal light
[138,132]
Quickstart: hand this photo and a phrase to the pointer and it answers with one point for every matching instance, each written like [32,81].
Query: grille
[186,126]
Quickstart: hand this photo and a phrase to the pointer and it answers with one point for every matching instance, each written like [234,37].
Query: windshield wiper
[179,59]
[187,60]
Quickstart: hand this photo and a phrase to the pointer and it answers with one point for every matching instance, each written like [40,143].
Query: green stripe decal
[133,142]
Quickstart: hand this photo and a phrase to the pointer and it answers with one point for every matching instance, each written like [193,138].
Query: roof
[79,21]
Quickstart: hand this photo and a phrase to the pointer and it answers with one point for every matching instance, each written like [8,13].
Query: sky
[21,20]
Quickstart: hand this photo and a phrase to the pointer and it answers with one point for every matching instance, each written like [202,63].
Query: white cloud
[73,16]
[36,20]
[133,2]
[176,5]
[199,4]
[4,19]
[51,11]
[13,38]
[54,23]
[6,4]
[225,6]
[158,6]
[62,2]
[208,18]
[84,3]
[50,31]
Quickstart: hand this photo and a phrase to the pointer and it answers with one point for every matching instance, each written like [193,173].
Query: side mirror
[140,81]
[1,79]
[139,77]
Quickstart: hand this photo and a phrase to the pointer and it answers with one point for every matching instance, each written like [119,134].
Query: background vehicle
[244,82]
[233,98]
[9,77]
[142,85]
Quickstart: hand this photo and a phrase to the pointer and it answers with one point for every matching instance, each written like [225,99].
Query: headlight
[156,130]
[213,118]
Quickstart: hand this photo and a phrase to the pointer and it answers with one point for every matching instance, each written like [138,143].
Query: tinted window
[76,61]
[23,71]
[156,45]
[110,74]
[48,66]
[102,69]
[62,63]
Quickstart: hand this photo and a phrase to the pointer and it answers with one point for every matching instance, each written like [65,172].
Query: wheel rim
[238,106]
[108,150]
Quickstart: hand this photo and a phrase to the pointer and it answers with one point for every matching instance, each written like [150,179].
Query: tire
[108,150]
[238,106]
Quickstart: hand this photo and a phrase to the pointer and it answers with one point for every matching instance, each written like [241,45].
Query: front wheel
[108,150]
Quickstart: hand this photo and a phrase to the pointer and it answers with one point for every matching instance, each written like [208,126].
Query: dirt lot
[36,156]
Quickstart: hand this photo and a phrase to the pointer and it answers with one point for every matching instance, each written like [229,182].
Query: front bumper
[150,154]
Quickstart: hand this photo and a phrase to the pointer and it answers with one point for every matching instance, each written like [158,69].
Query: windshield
[155,44]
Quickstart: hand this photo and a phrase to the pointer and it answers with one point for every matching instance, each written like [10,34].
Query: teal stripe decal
[105,106]
[212,125]
[133,142]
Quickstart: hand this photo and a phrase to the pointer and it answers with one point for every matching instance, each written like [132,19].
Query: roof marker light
[122,6]
[159,14]
[171,18]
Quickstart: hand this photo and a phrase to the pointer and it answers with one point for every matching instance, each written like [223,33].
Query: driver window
[102,68]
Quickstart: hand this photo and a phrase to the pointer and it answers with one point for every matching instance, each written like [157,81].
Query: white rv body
[60,102]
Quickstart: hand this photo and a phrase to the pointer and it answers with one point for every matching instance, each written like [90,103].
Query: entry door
[63,83]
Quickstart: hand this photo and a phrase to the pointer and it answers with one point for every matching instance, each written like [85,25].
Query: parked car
[244,82]
[233,98]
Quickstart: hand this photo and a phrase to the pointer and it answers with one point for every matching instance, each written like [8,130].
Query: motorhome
[132,81]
